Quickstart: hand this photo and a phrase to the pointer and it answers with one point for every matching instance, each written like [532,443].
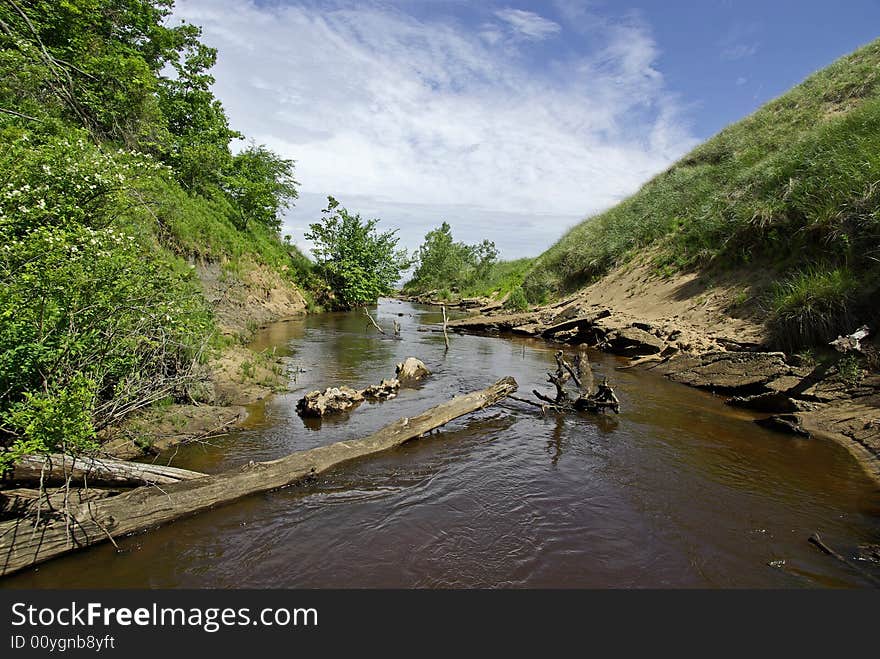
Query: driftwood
[816,540]
[603,398]
[445,322]
[851,342]
[23,545]
[375,324]
[56,469]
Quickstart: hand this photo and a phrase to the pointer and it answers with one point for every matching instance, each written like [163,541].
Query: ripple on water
[678,491]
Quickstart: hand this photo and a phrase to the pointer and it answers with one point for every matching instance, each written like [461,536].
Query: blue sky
[510,120]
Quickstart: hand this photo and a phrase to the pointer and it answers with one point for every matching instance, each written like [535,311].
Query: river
[679,490]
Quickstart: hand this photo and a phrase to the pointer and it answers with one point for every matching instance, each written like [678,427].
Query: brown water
[678,491]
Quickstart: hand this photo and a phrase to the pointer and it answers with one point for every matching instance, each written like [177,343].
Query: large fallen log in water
[22,545]
[56,469]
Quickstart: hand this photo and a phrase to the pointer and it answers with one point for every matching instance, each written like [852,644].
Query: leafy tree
[262,185]
[358,263]
[199,146]
[444,263]
[118,69]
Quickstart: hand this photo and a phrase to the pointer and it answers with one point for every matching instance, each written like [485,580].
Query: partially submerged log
[373,322]
[332,400]
[83,471]
[23,545]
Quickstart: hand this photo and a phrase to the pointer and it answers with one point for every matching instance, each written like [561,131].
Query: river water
[677,491]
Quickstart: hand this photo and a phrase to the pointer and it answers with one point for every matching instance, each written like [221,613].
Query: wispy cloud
[528,24]
[417,121]
[739,51]
[740,42]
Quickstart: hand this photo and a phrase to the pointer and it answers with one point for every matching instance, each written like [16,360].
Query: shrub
[93,314]
[811,306]
[517,300]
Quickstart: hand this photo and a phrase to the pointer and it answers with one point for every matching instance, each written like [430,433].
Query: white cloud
[739,41]
[739,51]
[528,24]
[418,121]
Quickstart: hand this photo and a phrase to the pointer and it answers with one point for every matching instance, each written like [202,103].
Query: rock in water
[331,401]
[382,391]
[412,369]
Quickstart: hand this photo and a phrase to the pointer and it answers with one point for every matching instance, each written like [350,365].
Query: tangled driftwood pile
[588,399]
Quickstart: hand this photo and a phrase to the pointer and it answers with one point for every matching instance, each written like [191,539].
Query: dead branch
[375,324]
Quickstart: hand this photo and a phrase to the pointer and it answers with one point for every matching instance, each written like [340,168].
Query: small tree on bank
[445,263]
[262,185]
[358,263]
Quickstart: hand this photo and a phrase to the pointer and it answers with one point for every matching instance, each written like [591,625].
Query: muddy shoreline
[805,399]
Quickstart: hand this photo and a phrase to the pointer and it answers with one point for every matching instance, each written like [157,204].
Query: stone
[412,369]
[332,400]
[787,423]
[633,341]
[744,373]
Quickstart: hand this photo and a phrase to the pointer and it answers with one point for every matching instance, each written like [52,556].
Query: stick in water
[381,331]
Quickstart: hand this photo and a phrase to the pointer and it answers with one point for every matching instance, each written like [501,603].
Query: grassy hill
[793,189]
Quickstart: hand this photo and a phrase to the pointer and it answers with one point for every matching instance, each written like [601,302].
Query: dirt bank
[243,299]
[707,333]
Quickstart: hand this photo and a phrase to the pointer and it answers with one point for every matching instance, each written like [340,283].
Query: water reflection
[679,490]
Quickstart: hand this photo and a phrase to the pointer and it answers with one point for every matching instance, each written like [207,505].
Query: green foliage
[795,184]
[115,164]
[358,263]
[517,300]
[81,309]
[850,370]
[58,420]
[812,306]
[445,263]
[261,184]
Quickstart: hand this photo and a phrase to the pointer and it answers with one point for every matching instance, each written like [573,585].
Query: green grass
[794,186]
[503,278]
[199,227]
[811,305]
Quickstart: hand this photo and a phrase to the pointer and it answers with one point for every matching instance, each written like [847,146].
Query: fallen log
[23,545]
[852,341]
[56,469]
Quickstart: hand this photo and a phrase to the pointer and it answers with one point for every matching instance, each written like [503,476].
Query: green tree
[90,329]
[358,263]
[445,263]
[262,185]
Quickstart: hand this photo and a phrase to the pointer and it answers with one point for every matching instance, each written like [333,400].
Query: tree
[444,263]
[262,185]
[358,263]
